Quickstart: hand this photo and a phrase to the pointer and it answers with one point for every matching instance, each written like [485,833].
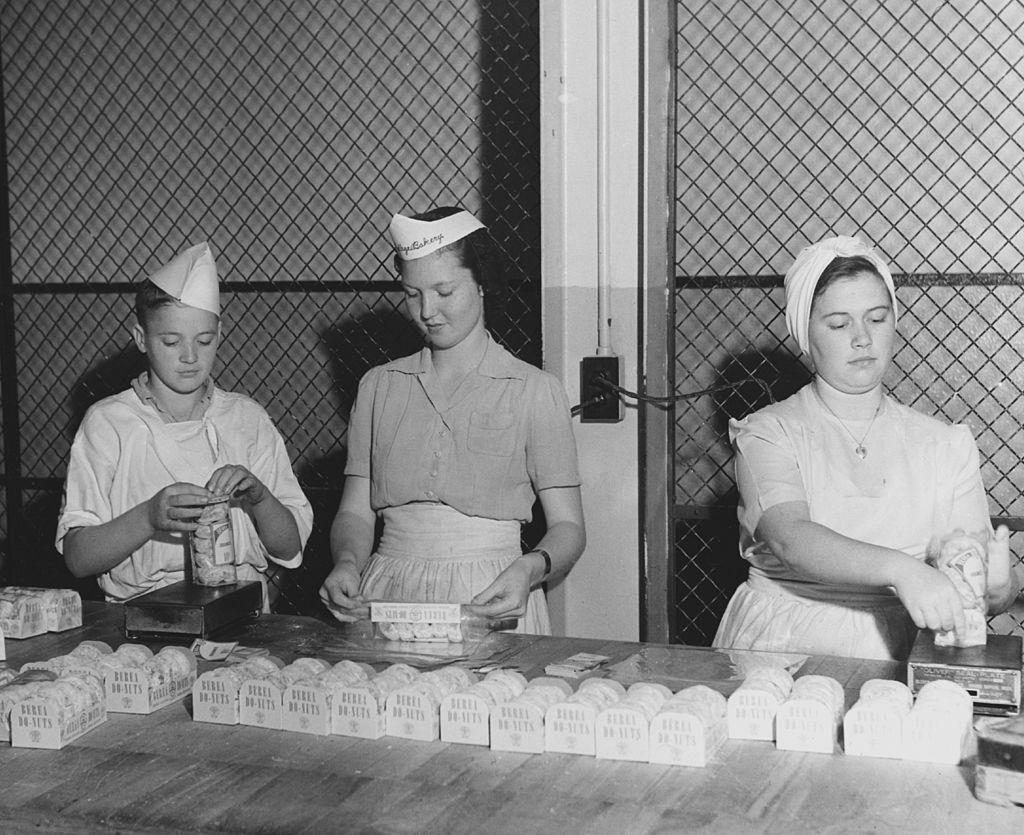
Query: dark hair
[477,253]
[840,267]
[148,298]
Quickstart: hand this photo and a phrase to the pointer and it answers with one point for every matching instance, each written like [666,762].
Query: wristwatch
[547,560]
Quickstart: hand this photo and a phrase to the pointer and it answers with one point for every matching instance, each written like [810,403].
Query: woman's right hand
[929,596]
[177,507]
[340,593]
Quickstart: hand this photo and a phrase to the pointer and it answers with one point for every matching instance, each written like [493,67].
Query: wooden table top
[165,773]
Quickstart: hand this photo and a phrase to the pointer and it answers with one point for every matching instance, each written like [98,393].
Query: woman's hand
[236,481]
[340,594]
[506,597]
[176,507]
[929,596]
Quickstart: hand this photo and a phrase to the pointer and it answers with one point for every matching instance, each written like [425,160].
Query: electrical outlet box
[600,404]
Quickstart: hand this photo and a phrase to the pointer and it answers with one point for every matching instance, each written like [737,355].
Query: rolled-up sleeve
[91,468]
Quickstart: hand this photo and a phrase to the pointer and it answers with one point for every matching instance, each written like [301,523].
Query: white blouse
[920,479]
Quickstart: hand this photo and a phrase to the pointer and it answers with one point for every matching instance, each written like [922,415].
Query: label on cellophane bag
[570,728]
[223,543]
[430,622]
[622,733]
[213,545]
[466,719]
[415,612]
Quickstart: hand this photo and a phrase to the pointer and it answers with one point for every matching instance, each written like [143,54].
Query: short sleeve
[767,465]
[91,468]
[551,457]
[360,426]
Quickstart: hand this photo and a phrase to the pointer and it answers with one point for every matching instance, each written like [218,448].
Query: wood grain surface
[165,773]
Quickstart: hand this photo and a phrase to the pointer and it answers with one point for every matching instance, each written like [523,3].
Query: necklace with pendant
[860,450]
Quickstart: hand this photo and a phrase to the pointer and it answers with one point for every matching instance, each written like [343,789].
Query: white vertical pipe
[603,213]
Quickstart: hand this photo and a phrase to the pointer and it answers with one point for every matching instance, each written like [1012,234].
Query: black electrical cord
[613,390]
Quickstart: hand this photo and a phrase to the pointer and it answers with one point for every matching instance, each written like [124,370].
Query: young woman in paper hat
[450,447]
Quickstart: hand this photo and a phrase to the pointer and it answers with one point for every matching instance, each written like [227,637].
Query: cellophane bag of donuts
[436,623]
[419,634]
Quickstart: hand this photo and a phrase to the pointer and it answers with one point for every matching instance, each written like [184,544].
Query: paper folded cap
[802,279]
[191,278]
[416,238]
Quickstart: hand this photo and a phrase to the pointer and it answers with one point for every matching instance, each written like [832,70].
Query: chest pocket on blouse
[492,433]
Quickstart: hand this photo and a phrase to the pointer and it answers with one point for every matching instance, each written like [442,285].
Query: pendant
[861,451]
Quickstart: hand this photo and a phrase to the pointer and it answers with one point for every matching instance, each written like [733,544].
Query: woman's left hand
[236,481]
[506,597]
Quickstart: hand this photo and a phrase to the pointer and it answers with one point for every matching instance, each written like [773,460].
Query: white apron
[430,552]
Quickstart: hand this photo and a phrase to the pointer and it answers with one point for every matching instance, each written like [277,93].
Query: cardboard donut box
[39,723]
[26,612]
[132,691]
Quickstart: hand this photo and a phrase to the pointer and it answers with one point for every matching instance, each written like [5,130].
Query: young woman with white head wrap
[450,447]
[842,488]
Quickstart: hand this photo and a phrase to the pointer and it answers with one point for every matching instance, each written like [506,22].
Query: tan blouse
[504,434]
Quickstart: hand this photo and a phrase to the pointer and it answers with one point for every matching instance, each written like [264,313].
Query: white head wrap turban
[191,278]
[810,263]
[416,238]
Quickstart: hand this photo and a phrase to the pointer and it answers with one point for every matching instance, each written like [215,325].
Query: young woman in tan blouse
[450,447]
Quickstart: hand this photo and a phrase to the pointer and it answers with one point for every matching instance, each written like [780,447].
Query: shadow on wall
[708,563]
[353,346]
[40,564]
[782,372]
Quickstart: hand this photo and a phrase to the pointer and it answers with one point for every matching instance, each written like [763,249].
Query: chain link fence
[286,134]
[901,122]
